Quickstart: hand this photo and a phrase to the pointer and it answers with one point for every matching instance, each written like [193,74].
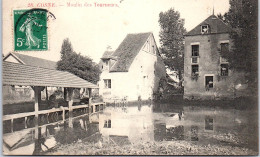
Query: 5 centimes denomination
[30,30]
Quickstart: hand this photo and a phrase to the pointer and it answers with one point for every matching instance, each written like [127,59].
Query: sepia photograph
[130,77]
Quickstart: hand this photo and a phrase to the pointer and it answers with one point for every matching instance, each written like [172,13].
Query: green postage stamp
[30,30]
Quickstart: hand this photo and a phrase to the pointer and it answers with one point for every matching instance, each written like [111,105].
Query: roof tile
[127,51]
[34,61]
[215,24]
[107,54]
[19,74]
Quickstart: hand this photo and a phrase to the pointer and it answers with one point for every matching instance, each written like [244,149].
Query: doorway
[209,82]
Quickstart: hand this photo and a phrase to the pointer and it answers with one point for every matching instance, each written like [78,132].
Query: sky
[92,29]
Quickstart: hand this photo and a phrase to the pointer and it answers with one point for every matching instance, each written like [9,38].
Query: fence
[52,116]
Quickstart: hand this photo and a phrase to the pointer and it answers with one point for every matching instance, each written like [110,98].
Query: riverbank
[237,103]
[82,147]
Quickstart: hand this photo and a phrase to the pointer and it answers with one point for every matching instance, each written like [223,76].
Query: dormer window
[105,65]
[106,62]
[204,29]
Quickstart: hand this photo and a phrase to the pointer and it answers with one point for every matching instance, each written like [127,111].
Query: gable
[147,46]
[29,60]
[214,26]
[11,58]
[150,46]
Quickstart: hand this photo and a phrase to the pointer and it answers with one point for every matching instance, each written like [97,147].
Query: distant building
[14,94]
[29,60]
[206,74]
[133,70]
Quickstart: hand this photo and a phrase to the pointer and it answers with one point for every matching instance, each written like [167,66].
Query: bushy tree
[172,40]
[243,18]
[66,48]
[77,64]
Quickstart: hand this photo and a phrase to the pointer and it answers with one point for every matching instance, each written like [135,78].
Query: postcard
[130,77]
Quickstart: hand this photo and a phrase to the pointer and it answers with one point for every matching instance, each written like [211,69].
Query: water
[200,125]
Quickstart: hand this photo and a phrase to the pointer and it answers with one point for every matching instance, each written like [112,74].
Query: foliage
[172,40]
[77,64]
[242,17]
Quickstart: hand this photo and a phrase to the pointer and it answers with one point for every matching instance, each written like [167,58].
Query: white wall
[142,79]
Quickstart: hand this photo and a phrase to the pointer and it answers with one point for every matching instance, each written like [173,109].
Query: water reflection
[141,122]
[134,122]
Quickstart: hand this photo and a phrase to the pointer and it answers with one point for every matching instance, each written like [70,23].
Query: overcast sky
[92,29]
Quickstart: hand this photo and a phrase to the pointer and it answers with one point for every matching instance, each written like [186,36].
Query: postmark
[30,29]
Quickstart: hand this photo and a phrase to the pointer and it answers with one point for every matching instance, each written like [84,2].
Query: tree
[66,48]
[242,17]
[172,40]
[77,64]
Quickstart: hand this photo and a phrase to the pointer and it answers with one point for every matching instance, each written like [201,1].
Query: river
[198,125]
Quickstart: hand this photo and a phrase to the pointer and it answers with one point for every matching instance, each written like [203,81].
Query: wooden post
[89,101]
[65,94]
[12,125]
[37,98]
[90,95]
[25,124]
[47,96]
[37,145]
[36,109]
[70,103]
[63,114]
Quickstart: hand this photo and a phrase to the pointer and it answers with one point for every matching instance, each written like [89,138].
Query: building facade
[133,70]
[206,74]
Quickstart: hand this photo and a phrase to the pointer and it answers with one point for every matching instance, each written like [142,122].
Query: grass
[82,147]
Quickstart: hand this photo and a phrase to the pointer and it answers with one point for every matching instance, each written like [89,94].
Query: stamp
[30,29]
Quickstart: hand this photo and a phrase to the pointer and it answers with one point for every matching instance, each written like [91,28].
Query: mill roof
[128,50]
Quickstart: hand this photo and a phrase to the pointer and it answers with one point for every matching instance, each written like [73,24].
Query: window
[224,69]
[224,47]
[209,82]
[208,123]
[194,72]
[106,62]
[107,124]
[194,50]
[101,107]
[153,49]
[105,66]
[194,60]
[107,83]
[96,108]
[204,29]
[91,109]
[195,69]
